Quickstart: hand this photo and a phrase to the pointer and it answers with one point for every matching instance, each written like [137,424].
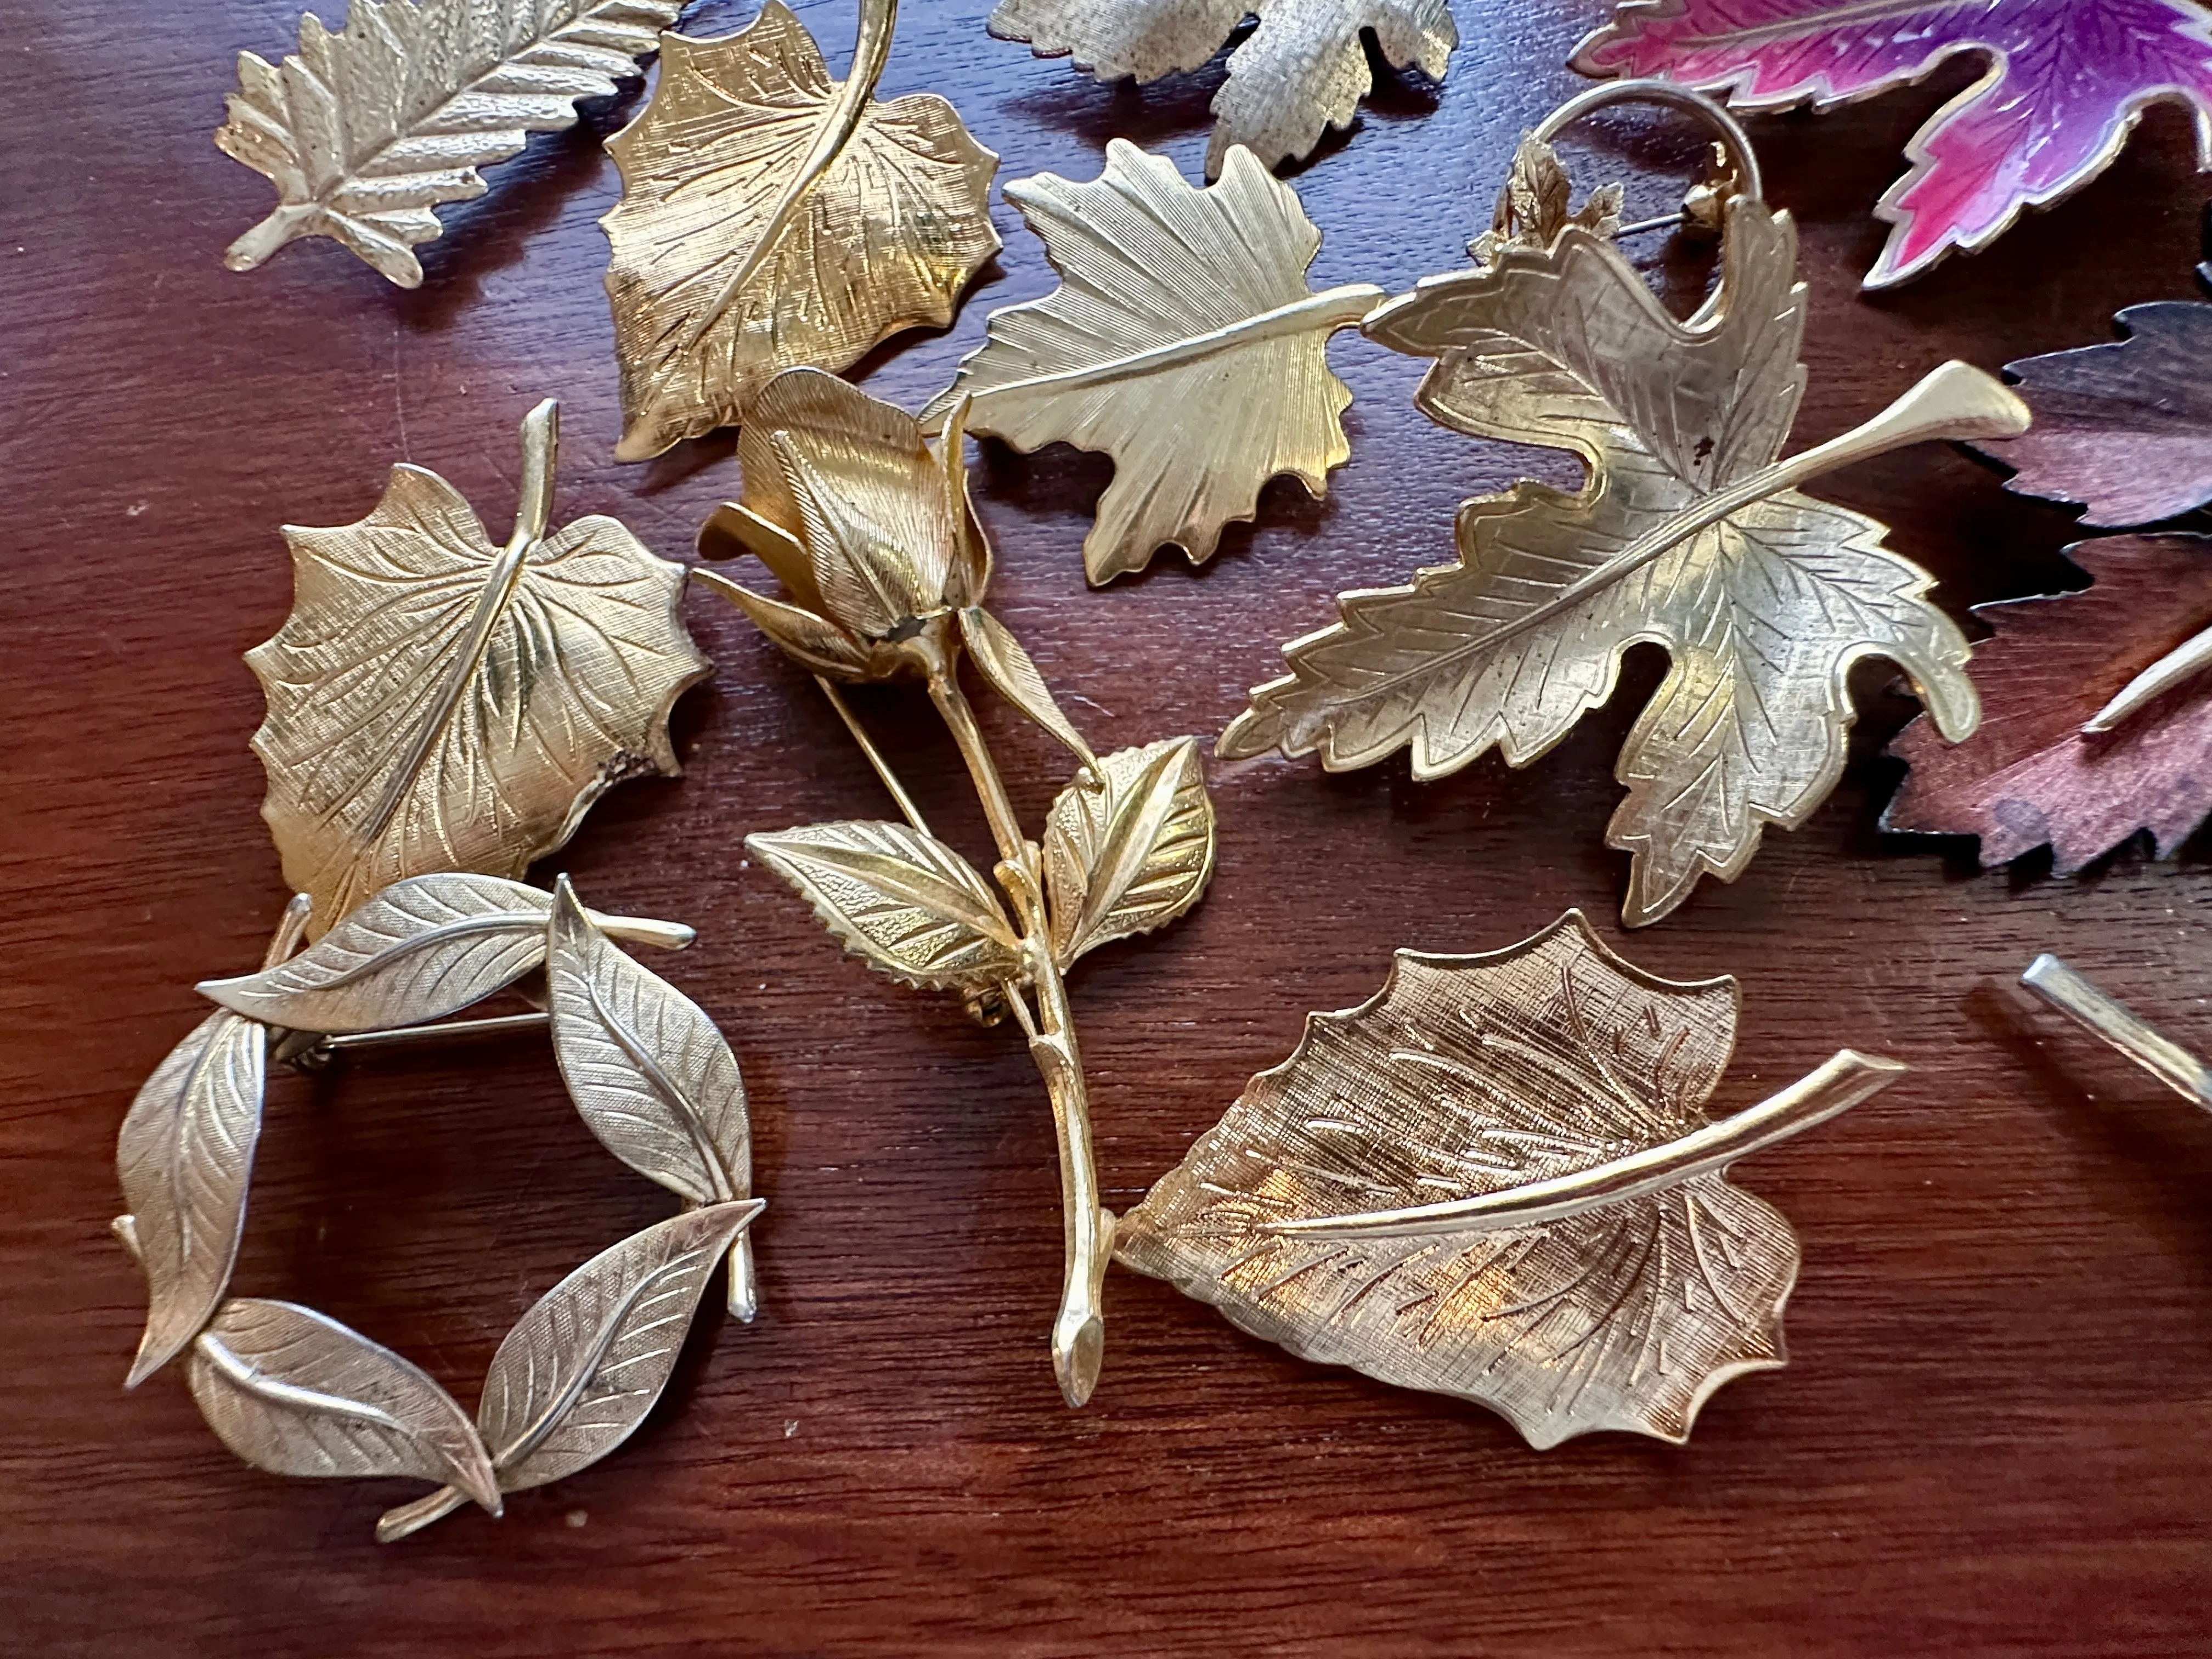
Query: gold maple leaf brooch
[1690,533]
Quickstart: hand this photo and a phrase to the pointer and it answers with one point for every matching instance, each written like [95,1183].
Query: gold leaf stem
[871,50]
[1840,1083]
[282,223]
[2178,667]
[1328,311]
[884,772]
[1078,1331]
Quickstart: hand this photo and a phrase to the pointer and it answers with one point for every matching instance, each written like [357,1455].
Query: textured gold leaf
[1302,71]
[1475,1075]
[1129,853]
[1183,342]
[365,131]
[436,702]
[1005,661]
[1763,612]
[772,218]
[905,902]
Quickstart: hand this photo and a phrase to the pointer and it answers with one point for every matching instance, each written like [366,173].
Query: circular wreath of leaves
[294,1392]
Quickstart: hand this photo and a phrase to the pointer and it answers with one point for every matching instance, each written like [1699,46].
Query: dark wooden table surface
[1995,1435]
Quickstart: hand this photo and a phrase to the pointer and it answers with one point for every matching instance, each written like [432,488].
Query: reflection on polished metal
[438,703]
[1175,306]
[1496,1180]
[885,568]
[296,1393]
[2073,996]
[773,217]
[1690,533]
[366,131]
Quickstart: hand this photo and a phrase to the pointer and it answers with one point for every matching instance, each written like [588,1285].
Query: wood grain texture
[1995,1435]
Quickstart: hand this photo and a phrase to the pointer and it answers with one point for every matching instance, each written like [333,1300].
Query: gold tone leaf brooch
[772,218]
[885,568]
[1183,342]
[1496,1180]
[1689,532]
[365,132]
[1302,72]
[435,701]
[438,703]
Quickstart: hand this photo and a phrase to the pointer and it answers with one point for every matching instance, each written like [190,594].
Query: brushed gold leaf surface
[365,132]
[1303,70]
[1686,534]
[184,1157]
[1130,853]
[296,1393]
[437,702]
[772,218]
[580,1371]
[1469,1076]
[905,902]
[1184,341]
[649,1073]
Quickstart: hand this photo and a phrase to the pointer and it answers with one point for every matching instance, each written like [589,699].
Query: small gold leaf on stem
[905,902]
[1129,853]
[1013,674]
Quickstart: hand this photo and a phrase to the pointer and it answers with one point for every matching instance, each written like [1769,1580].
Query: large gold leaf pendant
[773,218]
[1496,1180]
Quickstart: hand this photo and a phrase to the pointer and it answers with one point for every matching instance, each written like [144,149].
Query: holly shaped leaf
[1686,534]
[2126,428]
[1496,1180]
[772,218]
[1183,342]
[1302,72]
[438,703]
[365,132]
[2065,82]
[2032,776]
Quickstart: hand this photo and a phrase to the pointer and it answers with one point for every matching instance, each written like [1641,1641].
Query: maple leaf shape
[2068,80]
[2126,427]
[1302,72]
[2032,776]
[772,218]
[365,131]
[1540,1221]
[1184,341]
[1764,606]
[436,702]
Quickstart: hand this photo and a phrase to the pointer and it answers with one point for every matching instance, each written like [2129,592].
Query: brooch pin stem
[2079,1000]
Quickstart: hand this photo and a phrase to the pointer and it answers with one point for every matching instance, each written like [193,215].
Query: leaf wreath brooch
[1496,1180]
[1689,532]
[441,712]
[884,569]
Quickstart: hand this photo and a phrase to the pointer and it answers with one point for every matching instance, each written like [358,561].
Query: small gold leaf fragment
[772,218]
[1319,1213]
[1183,342]
[437,703]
